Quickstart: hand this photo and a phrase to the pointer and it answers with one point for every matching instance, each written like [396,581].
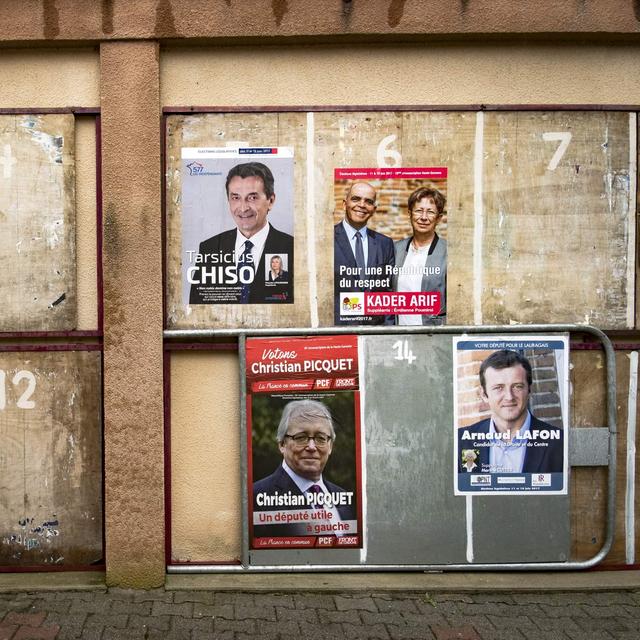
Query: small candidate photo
[242,204]
[276,267]
[511,415]
[303,468]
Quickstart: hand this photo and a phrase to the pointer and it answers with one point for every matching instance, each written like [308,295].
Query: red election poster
[303,431]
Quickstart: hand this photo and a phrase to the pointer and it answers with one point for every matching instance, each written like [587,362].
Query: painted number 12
[24,401]
[403,351]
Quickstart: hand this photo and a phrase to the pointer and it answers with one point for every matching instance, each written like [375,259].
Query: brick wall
[391,217]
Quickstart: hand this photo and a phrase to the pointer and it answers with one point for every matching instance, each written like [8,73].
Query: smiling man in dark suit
[305,439]
[229,266]
[357,253]
[511,440]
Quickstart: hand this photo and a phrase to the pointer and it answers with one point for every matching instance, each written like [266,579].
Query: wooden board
[50,458]
[218,130]
[589,484]
[37,223]
[533,198]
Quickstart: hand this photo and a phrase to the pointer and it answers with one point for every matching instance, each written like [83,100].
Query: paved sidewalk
[118,613]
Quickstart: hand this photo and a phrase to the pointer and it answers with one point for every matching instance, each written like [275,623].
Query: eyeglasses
[302,439]
[418,213]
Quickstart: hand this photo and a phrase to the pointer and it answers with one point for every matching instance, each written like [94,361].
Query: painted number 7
[404,353]
[565,138]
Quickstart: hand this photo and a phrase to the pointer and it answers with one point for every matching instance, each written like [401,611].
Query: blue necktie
[246,261]
[359,253]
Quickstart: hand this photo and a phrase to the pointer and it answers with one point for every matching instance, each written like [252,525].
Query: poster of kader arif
[303,433]
[237,225]
[390,247]
[511,398]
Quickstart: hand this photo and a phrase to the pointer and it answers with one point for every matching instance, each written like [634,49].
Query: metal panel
[589,447]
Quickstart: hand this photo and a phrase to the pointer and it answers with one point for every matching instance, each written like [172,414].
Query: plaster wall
[331,75]
[58,78]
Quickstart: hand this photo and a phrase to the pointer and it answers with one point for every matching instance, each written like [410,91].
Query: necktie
[359,253]
[315,488]
[246,261]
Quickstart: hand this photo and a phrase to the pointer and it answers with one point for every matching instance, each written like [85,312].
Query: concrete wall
[194,53]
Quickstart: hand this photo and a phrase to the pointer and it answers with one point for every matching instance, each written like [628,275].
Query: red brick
[455,633]
[37,633]
[7,630]
[30,619]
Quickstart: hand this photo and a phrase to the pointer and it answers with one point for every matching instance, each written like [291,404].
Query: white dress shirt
[507,456]
[351,234]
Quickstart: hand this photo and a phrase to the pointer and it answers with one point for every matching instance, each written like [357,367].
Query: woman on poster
[422,258]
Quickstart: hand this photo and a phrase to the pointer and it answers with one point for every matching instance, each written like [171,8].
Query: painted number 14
[24,401]
[403,351]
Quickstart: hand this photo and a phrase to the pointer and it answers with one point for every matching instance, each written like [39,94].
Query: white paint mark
[363,448]
[383,152]
[630,495]
[565,139]
[478,221]
[7,161]
[311,222]
[631,222]
[469,514]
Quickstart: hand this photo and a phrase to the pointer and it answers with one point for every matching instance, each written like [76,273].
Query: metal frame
[242,335]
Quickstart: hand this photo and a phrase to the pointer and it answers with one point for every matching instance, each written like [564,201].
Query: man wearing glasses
[297,490]
[422,258]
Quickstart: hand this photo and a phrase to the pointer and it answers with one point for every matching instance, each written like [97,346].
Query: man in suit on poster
[305,438]
[358,250]
[511,440]
[229,266]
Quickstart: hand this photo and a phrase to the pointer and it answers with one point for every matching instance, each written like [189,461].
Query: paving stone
[556,634]
[448,597]
[444,607]
[267,630]
[320,632]
[60,606]
[244,611]
[511,622]
[481,598]
[237,626]
[200,624]
[156,634]
[494,609]
[116,593]
[34,619]
[455,633]
[110,633]
[549,624]
[409,633]
[604,624]
[66,619]
[149,622]
[364,604]
[298,615]
[139,608]
[553,611]
[327,617]
[233,598]
[276,600]
[608,598]
[36,633]
[599,611]
[7,631]
[389,617]
[419,619]
[389,604]
[226,635]
[89,606]
[594,634]
[314,601]
[153,595]
[106,620]
[369,631]
[203,597]
[171,609]
[632,611]
[214,611]
[92,634]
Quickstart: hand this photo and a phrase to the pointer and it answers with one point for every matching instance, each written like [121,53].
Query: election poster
[303,433]
[390,247]
[511,400]
[237,225]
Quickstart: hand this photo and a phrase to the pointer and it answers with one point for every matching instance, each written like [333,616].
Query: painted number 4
[24,401]
[403,351]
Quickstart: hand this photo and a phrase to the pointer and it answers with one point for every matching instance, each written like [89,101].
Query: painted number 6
[384,152]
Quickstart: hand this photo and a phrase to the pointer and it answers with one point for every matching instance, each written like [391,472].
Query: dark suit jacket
[275,292]
[380,254]
[538,459]
[280,482]
[282,277]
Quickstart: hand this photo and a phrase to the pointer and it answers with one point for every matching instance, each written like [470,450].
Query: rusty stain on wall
[107,16]
[50,19]
[280,8]
[165,25]
[396,10]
